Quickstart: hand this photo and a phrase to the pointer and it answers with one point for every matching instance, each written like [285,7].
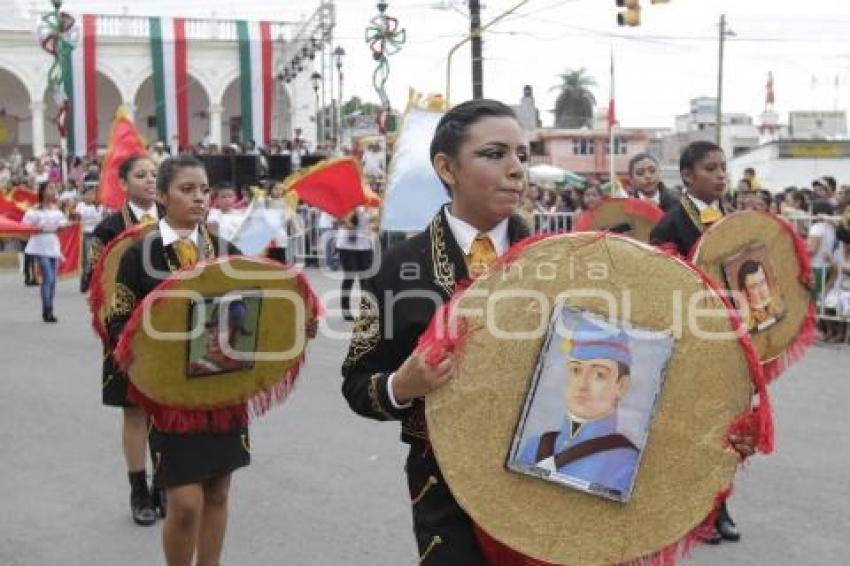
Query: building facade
[124,72]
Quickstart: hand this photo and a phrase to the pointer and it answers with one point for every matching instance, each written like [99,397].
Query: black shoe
[142,509]
[714,538]
[30,283]
[159,501]
[726,529]
[48,317]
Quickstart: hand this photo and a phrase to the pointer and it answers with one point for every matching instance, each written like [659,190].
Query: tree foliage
[575,103]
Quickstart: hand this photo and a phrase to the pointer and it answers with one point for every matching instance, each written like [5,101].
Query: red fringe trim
[807,333]
[497,554]
[219,419]
[97,294]
[643,209]
[632,206]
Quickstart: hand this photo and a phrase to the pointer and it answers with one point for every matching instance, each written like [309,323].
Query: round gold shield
[686,460]
[760,259]
[105,273]
[184,348]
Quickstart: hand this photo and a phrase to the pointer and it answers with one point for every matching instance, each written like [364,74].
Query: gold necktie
[481,254]
[710,215]
[187,253]
[147,219]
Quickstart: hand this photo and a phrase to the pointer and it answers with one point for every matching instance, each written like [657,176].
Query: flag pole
[612,121]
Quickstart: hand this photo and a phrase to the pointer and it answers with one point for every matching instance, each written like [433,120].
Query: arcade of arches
[30,125]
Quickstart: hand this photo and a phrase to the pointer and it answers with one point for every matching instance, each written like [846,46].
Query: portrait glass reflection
[229,337]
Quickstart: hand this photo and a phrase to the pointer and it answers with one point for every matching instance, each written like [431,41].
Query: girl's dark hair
[694,152]
[42,188]
[638,158]
[452,128]
[169,168]
[127,165]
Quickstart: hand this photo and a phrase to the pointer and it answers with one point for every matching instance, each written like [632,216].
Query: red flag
[70,242]
[12,209]
[124,141]
[24,196]
[334,186]
[12,228]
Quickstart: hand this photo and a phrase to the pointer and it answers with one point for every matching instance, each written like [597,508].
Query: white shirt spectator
[90,215]
[358,237]
[826,232]
[46,242]
[373,164]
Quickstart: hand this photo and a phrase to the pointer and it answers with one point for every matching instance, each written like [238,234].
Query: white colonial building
[124,77]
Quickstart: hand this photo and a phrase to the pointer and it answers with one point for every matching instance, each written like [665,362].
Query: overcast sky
[669,59]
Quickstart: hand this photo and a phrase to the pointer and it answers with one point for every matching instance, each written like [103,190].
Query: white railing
[212,29]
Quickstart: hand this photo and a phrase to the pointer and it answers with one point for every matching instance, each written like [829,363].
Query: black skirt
[186,458]
[114,385]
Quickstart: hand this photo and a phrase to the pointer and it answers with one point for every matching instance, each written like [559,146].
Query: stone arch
[198,107]
[231,114]
[15,112]
[109,99]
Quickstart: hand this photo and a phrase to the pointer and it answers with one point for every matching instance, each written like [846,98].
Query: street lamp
[316,79]
[339,55]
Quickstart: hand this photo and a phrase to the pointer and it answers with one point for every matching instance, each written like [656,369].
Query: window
[583,146]
[537,148]
[620,146]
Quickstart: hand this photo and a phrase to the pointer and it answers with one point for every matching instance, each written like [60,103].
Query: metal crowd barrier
[552,222]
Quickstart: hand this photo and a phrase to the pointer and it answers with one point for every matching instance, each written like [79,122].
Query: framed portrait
[751,279]
[230,328]
[590,403]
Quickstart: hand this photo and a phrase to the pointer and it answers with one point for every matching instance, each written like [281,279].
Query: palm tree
[574,105]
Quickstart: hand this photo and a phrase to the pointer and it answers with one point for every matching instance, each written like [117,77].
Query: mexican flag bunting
[170,86]
[81,90]
[257,86]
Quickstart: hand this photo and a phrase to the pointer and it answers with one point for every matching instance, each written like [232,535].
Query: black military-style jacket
[110,228]
[413,280]
[680,226]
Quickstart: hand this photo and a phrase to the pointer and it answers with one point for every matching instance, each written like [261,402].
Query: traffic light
[631,15]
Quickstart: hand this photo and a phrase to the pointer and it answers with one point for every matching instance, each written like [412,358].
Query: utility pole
[720,79]
[477,59]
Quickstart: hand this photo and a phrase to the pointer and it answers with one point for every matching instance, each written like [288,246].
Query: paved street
[325,486]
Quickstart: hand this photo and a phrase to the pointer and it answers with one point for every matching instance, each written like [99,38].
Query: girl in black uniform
[138,177]
[479,152]
[193,467]
[703,169]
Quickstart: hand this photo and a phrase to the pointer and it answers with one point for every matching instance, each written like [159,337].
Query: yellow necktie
[710,215]
[187,253]
[147,219]
[481,254]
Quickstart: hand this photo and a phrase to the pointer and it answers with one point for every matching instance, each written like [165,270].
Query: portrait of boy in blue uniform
[588,365]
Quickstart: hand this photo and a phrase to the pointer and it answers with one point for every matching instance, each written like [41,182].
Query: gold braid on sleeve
[366,333]
[123,302]
[95,253]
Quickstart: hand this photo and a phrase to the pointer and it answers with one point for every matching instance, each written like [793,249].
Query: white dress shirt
[702,205]
[46,242]
[139,212]
[169,235]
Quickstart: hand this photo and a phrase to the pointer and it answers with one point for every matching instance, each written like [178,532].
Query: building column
[216,111]
[37,109]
